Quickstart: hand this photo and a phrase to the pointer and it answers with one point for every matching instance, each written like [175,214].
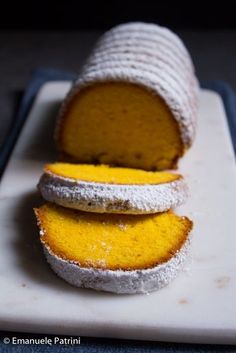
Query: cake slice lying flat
[115,253]
[114,190]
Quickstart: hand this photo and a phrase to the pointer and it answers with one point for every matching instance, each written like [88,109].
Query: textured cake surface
[105,189]
[101,251]
[134,103]
[128,128]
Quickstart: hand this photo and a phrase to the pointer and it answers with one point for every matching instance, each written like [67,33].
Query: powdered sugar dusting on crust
[145,55]
[151,31]
[119,281]
[155,43]
[154,46]
[112,198]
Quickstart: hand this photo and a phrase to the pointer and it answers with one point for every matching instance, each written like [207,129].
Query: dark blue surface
[97,345]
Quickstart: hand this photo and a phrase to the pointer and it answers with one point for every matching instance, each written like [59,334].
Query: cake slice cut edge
[105,189]
[91,265]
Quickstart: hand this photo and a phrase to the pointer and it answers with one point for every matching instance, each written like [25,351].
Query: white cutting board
[198,306]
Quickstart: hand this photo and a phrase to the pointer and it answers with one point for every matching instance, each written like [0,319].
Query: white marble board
[199,306]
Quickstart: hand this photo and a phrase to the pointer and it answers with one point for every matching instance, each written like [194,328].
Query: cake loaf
[134,103]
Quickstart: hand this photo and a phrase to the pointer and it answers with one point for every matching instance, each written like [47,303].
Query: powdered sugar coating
[112,198]
[145,55]
[155,43]
[148,31]
[119,281]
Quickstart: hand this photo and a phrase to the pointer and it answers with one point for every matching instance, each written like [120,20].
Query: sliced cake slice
[115,253]
[100,188]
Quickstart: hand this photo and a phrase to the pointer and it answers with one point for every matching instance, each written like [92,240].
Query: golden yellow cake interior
[107,174]
[121,124]
[112,241]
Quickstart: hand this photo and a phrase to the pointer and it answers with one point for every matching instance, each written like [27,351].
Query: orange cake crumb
[121,124]
[109,241]
[107,174]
